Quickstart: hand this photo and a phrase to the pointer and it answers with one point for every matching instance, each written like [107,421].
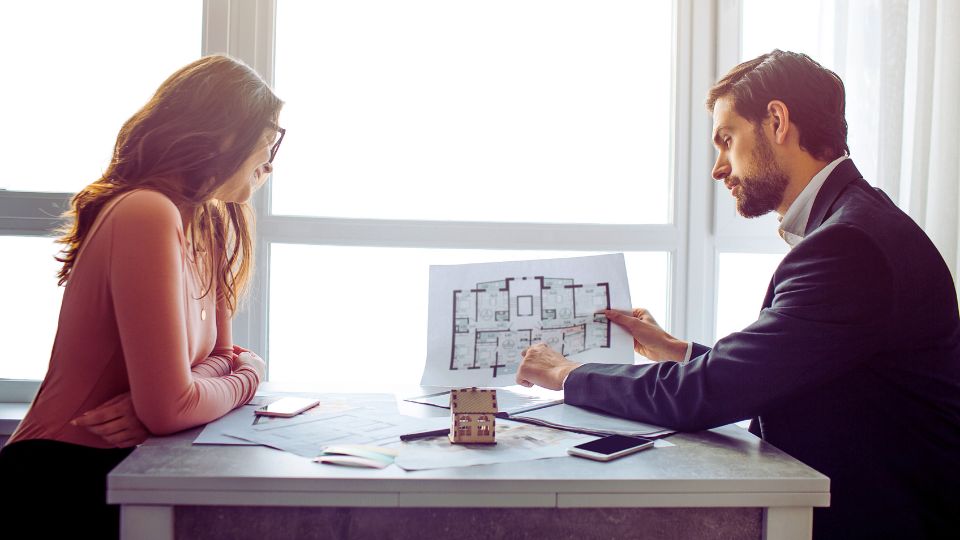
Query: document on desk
[481,316]
[546,408]
[578,419]
[512,399]
[242,418]
[515,442]
[308,435]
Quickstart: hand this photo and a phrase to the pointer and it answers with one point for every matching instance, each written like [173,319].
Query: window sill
[10,416]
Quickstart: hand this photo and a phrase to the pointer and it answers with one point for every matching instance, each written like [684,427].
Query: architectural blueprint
[482,316]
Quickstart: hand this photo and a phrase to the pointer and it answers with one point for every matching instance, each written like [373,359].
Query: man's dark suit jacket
[853,367]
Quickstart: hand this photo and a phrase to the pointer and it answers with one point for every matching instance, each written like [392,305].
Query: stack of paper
[548,409]
[580,420]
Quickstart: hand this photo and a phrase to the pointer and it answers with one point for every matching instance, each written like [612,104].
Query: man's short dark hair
[813,94]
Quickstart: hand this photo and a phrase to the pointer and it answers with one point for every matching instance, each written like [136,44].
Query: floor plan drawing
[496,320]
[481,316]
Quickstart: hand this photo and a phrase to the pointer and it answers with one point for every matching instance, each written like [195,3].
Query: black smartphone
[611,447]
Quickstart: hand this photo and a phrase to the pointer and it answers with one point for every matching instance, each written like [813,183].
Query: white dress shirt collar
[794,222]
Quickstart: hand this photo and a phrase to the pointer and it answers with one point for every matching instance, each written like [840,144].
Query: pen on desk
[424,434]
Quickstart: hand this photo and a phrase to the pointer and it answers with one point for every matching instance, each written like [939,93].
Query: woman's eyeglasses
[276,145]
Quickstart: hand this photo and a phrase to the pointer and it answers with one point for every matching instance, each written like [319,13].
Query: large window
[508,111]
[74,72]
[29,314]
[472,121]
[341,313]
[420,132]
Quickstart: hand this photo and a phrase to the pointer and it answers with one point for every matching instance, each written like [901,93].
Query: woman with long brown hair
[155,261]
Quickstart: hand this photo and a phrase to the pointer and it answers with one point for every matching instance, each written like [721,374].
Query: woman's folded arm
[147,284]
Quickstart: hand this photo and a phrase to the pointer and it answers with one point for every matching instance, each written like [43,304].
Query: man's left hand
[543,366]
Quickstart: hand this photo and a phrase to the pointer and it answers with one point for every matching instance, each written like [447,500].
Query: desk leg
[146,522]
[788,523]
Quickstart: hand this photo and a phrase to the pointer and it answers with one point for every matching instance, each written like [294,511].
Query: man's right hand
[543,366]
[648,338]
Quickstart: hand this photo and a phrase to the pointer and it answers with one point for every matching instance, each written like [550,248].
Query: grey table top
[726,466]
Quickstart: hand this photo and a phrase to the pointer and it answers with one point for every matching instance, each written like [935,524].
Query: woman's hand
[249,358]
[648,338]
[115,421]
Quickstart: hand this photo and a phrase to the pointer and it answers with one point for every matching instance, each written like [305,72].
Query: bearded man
[853,365]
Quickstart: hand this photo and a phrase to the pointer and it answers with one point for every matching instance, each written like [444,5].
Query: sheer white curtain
[900,61]
[933,154]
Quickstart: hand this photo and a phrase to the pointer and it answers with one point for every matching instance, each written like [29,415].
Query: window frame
[693,238]
[734,233]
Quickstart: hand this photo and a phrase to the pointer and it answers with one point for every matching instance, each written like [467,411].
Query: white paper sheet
[307,436]
[481,316]
[238,418]
[512,399]
[573,418]
[515,442]
[242,418]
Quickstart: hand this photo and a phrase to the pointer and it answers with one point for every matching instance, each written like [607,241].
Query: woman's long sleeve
[218,364]
[147,276]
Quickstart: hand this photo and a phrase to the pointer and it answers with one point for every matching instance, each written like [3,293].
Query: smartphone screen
[613,444]
[288,406]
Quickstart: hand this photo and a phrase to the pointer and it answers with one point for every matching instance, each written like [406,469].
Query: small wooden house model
[473,416]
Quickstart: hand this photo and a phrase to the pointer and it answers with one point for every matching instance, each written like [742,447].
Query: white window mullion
[680,259]
[745,251]
[216,26]
[469,235]
[245,30]
[697,29]
[254,320]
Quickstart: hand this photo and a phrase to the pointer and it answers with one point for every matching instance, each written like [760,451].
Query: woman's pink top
[132,320]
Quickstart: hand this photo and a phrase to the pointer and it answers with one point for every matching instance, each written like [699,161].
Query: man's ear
[779,120]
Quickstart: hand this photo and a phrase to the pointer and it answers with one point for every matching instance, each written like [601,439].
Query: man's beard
[763,190]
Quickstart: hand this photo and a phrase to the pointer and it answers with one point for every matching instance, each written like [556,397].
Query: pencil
[424,434]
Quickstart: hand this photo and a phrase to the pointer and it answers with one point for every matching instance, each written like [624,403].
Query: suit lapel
[768,298]
[844,173]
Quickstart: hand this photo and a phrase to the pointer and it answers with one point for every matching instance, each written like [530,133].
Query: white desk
[718,483]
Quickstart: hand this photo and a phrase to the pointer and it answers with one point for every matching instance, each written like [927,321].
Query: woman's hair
[813,94]
[198,128]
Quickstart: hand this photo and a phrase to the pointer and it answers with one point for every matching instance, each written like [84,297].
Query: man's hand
[648,338]
[249,358]
[543,366]
[115,422]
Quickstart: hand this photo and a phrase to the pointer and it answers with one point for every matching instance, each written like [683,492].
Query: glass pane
[342,314]
[527,110]
[743,282]
[81,70]
[31,305]
[811,28]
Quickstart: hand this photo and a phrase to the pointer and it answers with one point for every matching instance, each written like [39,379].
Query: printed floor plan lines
[496,320]
[481,316]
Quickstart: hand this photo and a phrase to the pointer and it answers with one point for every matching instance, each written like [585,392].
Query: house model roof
[473,400]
